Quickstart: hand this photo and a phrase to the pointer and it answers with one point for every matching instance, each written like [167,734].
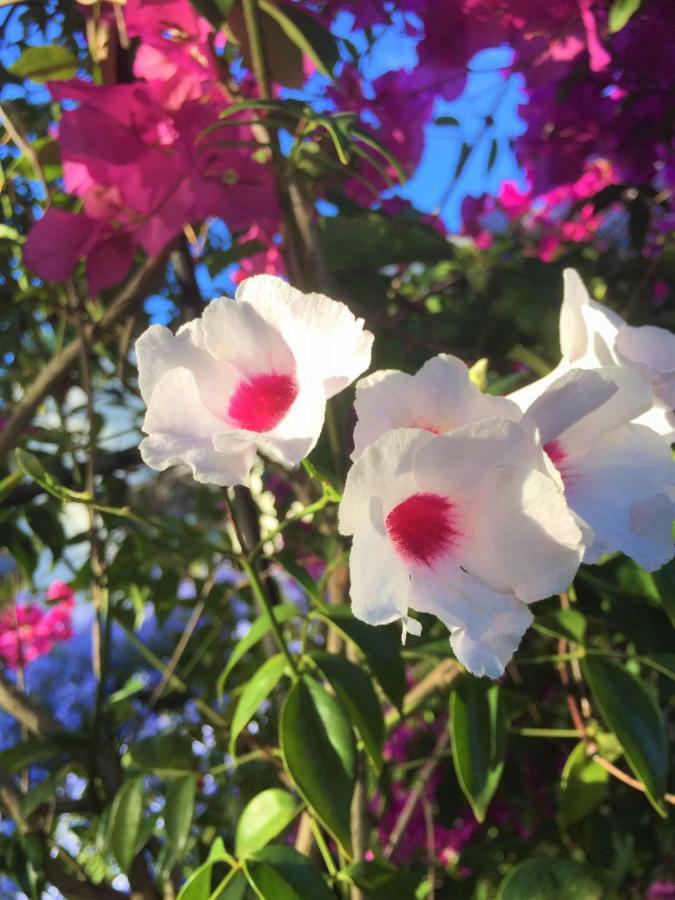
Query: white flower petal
[325,337]
[568,400]
[524,397]
[521,535]
[573,332]
[380,584]
[661,419]
[649,346]
[181,429]
[439,397]
[384,473]
[158,350]
[485,626]
[629,466]
[456,463]
[237,333]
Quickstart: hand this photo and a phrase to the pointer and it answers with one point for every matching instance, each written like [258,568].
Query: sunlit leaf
[263,818]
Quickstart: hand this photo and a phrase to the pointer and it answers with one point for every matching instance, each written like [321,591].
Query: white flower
[591,335]
[616,475]
[438,398]
[462,525]
[252,373]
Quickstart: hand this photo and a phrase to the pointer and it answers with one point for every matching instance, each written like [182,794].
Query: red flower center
[558,456]
[422,528]
[260,402]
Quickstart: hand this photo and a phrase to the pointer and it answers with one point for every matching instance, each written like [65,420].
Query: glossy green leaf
[52,63]
[317,743]
[631,713]
[547,878]
[583,786]
[381,647]
[178,812]
[198,885]
[379,880]
[260,627]
[355,690]
[278,872]
[478,729]
[621,12]
[166,753]
[257,689]
[308,35]
[263,818]
[124,823]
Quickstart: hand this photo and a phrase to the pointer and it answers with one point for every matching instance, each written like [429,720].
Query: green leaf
[317,744]
[632,714]
[178,812]
[583,786]
[257,689]
[369,240]
[198,885]
[287,561]
[263,818]
[256,632]
[166,753]
[478,730]
[216,11]
[492,158]
[124,824]
[278,872]
[52,63]
[308,35]
[380,645]
[380,880]
[447,120]
[664,580]
[355,690]
[620,13]
[544,878]
[569,624]
[31,466]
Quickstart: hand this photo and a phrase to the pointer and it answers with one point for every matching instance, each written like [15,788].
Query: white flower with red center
[252,373]
[438,398]
[617,475]
[591,336]
[465,526]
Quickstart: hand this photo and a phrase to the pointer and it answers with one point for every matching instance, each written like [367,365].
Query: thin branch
[416,793]
[56,368]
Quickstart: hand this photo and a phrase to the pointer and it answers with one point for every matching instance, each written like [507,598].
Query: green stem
[546,732]
[256,47]
[261,597]
[295,517]
[323,847]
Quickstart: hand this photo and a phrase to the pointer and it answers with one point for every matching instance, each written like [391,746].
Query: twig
[416,793]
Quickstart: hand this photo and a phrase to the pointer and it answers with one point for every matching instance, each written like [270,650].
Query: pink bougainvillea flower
[465,526]
[438,398]
[592,335]
[252,373]
[616,475]
[27,631]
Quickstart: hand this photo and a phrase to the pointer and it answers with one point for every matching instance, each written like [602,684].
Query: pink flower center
[558,456]
[422,528]
[260,402]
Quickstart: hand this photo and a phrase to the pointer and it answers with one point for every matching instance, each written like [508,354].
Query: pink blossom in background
[27,631]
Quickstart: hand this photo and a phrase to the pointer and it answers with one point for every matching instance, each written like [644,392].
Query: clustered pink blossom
[140,156]
[546,224]
[28,631]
